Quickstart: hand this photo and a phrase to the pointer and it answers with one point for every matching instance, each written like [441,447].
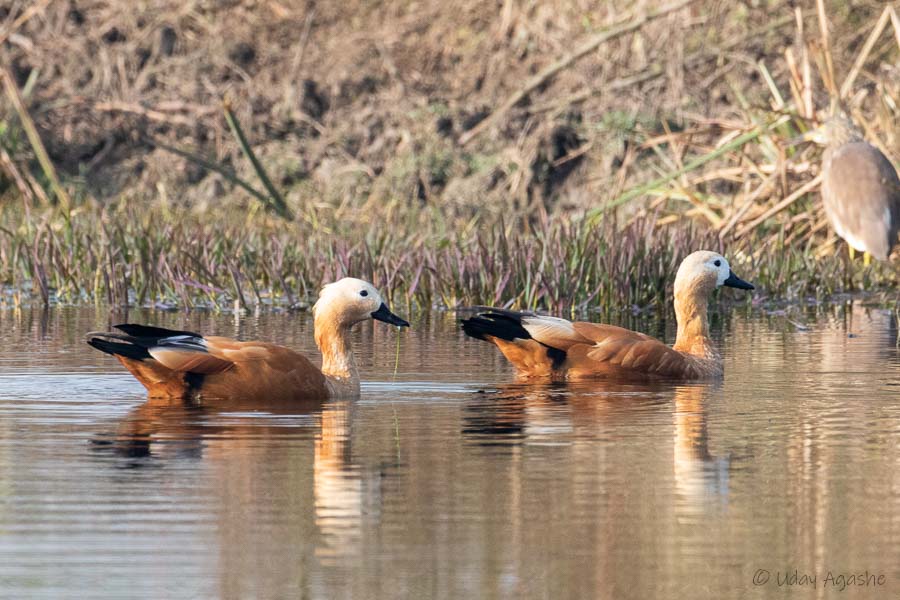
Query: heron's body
[860,190]
[545,347]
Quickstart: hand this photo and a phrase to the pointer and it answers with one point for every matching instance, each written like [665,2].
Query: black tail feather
[503,324]
[138,339]
[506,325]
[149,332]
[119,349]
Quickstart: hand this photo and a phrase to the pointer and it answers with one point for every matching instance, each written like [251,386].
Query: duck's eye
[364,293]
[718,263]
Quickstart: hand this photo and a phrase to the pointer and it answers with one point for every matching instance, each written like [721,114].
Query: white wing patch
[183,342]
[551,330]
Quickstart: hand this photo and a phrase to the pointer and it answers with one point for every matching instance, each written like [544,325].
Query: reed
[127,254]
[274,200]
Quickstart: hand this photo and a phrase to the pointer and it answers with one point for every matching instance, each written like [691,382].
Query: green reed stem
[275,200]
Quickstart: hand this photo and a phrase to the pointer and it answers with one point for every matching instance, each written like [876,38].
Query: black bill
[732,281]
[385,315]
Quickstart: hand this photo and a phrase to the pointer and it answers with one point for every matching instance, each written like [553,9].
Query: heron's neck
[844,132]
[333,340]
[693,326]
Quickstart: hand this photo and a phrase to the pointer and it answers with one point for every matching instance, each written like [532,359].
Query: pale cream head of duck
[340,306]
[349,301]
[699,275]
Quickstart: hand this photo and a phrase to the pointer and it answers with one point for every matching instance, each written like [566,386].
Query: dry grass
[363,99]
[451,153]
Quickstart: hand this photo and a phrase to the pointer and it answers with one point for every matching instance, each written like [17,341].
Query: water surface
[448,480]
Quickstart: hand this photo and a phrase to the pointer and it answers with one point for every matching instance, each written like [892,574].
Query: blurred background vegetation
[562,155]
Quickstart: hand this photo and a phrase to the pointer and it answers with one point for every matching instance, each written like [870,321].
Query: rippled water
[447,480]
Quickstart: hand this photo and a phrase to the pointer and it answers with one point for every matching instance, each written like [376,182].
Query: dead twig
[828,73]
[26,15]
[551,70]
[749,203]
[895,21]
[735,143]
[7,164]
[692,61]
[613,86]
[808,186]
[864,53]
[150,113]
[12,92]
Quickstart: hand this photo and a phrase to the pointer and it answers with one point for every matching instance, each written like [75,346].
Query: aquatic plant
[129,253]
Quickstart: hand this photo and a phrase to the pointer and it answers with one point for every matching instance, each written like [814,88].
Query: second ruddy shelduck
[545,347]
[191,366]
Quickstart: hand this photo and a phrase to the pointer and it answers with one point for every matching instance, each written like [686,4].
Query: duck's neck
[333,340]
[693,326]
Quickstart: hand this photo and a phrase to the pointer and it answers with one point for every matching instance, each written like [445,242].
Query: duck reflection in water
[163,428]
[261,459]
[531,413]
[701,479]
[565,414]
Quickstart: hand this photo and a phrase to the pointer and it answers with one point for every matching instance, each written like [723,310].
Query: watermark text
[835,580]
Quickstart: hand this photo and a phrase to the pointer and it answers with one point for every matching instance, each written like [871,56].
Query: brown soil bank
[348,102]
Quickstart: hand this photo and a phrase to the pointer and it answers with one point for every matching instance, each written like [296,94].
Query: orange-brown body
[232,369]
[541,347]
[606,351]
[189,366]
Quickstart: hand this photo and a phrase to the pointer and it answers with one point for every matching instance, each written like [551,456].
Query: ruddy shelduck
[190,366]
[545,347]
